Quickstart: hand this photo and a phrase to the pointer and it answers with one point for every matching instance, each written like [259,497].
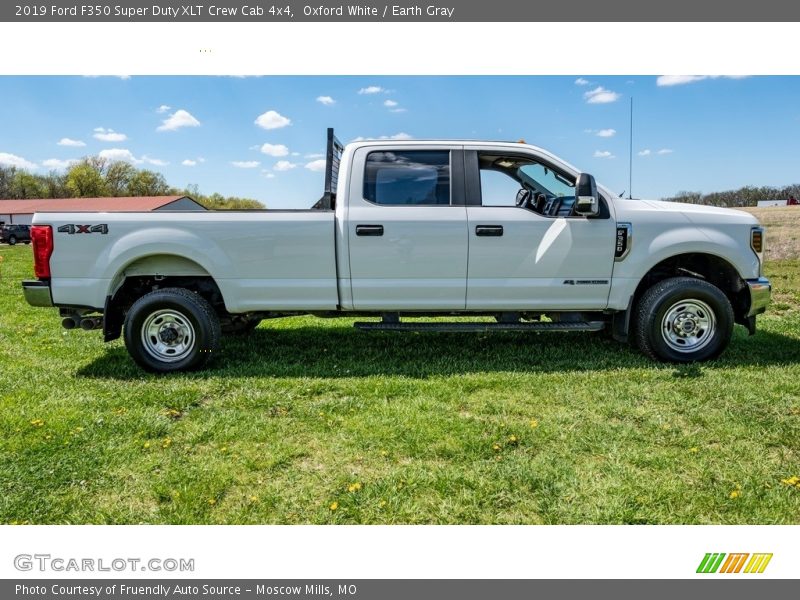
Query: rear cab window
[408,178]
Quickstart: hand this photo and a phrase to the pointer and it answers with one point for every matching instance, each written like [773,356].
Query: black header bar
[371,11]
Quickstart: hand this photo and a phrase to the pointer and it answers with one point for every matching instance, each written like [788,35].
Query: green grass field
[310,421]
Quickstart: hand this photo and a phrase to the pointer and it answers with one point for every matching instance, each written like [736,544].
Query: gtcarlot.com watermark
[45,563]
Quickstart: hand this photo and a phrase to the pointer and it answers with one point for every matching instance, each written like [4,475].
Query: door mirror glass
[587,202]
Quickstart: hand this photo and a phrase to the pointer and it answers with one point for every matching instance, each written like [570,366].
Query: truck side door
[538,255]
[407,228]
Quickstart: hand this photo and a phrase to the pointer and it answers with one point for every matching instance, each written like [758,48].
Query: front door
[538,255]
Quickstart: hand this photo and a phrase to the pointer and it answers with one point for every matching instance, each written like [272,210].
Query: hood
[699,214]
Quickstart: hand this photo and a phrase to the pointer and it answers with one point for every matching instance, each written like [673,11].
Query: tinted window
[414,177]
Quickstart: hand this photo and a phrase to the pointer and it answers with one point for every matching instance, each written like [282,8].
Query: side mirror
[587,202]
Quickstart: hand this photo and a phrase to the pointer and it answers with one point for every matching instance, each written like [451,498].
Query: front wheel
[171,330]
[682,320]
[12,240]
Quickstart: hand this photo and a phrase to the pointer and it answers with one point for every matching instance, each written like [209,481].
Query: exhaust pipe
[91,323]
[69,323]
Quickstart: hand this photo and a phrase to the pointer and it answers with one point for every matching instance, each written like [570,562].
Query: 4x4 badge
[71,229]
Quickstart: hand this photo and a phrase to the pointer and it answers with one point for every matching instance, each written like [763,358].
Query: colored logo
[719,562]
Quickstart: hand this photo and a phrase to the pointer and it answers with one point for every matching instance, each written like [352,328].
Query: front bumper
[37,293]
[760,292]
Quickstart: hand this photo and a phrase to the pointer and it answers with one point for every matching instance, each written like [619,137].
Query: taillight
[42,241]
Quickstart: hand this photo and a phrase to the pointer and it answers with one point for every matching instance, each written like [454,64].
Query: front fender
[649,250]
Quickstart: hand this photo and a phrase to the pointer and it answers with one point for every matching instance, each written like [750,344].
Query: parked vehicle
[413,228]
[12,234]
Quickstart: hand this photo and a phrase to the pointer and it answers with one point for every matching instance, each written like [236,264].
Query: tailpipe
[91,323]
[69,323]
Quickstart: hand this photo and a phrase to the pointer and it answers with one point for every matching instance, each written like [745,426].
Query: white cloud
[12,160]
[108,135]
[316,165]
[269,175]
[645,152]
[389,103]
[665,151]
[606,133]
[669,80]
[163,108]
[272,120]
[326,100]
[314,155]
[123,77]
[58,164]
[125,155]
[245,164]
[581,81]
[177,120]
[122,154]
[70,142]
[603,154]
[600,95]
[399,110]
[275,150]
[189,162]
[284,165]
[396,136]
[154,161]
[372,89]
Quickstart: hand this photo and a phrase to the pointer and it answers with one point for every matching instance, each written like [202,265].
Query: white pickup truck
[408,229]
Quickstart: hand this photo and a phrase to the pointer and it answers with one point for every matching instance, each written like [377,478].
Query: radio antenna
[630,156]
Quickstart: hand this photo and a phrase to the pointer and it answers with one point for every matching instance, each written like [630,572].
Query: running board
[480,327]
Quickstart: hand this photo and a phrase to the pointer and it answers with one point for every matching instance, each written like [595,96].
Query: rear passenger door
[407,229]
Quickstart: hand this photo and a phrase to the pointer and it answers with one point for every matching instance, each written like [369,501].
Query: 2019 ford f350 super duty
[412,228]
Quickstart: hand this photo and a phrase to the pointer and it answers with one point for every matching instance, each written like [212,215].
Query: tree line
[96,177]
[746,196]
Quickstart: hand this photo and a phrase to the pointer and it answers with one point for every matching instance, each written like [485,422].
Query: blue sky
[699,134]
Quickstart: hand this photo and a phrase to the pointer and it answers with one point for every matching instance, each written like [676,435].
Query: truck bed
[261,260]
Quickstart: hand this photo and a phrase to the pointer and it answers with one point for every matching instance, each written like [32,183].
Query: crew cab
[404,229]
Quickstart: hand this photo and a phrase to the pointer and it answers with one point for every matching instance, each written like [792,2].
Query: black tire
[27,242]
[12,240]
[179,321]
[683,320]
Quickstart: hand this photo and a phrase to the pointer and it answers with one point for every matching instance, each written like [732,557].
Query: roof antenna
[630,157]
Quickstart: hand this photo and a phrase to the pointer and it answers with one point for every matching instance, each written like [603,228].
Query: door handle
[489,230]
[369,230]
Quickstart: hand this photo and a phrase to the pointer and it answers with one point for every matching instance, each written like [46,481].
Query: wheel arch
[145,274]
[705,266]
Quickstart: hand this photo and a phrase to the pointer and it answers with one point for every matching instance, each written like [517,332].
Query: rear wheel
[683,319]
[12,240]
[171,330]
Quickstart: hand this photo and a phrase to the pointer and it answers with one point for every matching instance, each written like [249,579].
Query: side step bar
[479,327]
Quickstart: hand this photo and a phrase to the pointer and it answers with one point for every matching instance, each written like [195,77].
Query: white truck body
[460,257]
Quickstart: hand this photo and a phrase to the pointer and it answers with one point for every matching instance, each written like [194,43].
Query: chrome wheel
[688,325]
[168,335]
